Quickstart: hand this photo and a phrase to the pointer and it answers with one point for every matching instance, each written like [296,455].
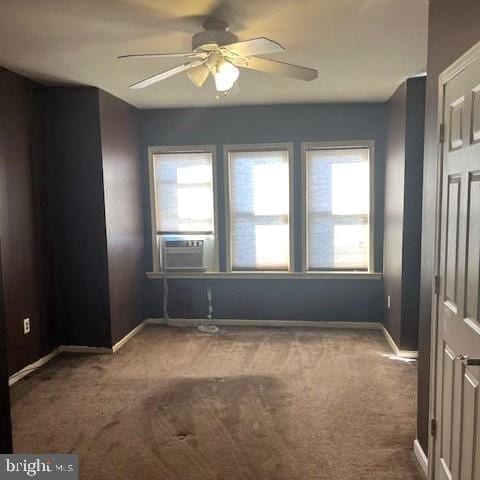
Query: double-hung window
[338,219]
[181,182]
[259,206]
[337,205]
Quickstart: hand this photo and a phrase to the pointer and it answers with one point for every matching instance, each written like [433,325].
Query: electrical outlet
[26,325]
[388,301]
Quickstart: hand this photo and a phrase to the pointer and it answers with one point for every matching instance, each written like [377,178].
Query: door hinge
[442,133]
[433,427]
[437,284]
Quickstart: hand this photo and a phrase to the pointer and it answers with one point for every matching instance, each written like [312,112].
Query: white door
[457,410]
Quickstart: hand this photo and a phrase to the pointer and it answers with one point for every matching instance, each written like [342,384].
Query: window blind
[259,210]
[338,209]
[184,192]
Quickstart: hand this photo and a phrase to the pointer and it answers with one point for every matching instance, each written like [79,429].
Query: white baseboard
[397,351]
[33,366]
[73,349]
[84,349]
[115,348]
[193,322]
[155,321]
[236,322]
[127,337]
[421,457]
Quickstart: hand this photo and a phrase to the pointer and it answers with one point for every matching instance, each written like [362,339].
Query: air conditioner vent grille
[184,255]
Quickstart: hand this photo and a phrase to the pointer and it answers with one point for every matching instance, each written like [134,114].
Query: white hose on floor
[207,327]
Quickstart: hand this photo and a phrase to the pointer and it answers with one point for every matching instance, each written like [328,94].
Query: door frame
[450,72]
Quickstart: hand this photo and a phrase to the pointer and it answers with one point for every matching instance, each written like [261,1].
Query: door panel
[476,114]
[470,467]
[456,124]
[452,242]
[451,414]
[448,402]
[457,395]
[473,250]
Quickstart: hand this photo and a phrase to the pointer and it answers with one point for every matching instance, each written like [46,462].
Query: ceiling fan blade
[165,55]
[198,75]
[280,68]
[164,75]
[255,46]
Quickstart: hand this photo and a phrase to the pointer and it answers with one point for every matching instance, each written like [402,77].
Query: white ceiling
[363,49]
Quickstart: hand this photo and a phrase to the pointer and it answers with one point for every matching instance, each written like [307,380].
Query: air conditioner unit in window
[184,255]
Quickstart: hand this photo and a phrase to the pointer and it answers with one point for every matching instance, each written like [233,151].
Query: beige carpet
[259,404]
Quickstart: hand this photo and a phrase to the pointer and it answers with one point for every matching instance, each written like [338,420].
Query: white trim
[156,321]
[394,347]
[418,75]
[153,215]
[421,457]
[331,145]
[127,337]
[272,275]
[238,322]
[212,149]
[193,322]
[259,147]
[32,367]
[15,377]
[84,349]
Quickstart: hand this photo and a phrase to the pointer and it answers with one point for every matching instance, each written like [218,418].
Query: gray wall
[412,214]
[394,203]
[403,207]
[359,300]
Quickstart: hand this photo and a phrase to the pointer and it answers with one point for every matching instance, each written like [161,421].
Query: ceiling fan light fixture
[225,75]
[218,51]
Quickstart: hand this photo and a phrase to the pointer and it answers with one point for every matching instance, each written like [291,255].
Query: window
[338,207]
[257,233]
[259,207]
[183,198]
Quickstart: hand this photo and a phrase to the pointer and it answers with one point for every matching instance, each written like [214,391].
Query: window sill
[271,275]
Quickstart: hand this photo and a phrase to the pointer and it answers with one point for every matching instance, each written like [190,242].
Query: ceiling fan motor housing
[215,35]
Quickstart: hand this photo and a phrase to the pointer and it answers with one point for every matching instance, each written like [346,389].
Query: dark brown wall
[454,27]
[97,215]
[78,216]
[122,178]
[5,422]
[24,253]
[394,203]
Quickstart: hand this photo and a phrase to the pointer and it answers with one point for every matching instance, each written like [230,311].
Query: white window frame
[259,147]
[308,146]
[212,149]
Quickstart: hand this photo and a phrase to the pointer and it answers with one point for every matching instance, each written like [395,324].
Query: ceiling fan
[218,52]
